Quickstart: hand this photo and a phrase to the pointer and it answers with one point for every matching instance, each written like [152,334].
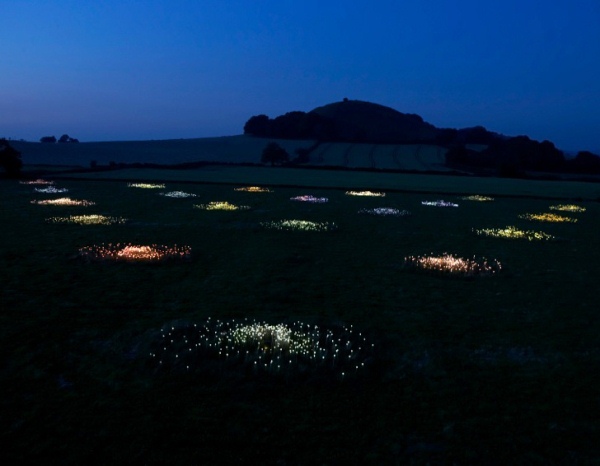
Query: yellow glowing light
[567,208]
[134,253]
[365,193]
[454,265]
[87,220]
[37,182]
[546,217]
[146,185]
[221,205]
[300,225]
[512,232]
[477,198]
[254,189]
[64,201]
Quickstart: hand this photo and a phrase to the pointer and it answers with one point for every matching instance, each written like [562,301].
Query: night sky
[162,69]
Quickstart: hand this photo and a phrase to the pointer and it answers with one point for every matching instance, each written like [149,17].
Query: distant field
[274,176]
[232,149]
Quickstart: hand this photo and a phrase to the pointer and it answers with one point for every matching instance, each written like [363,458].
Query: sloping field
[229,149]
[274,176]
[232,149]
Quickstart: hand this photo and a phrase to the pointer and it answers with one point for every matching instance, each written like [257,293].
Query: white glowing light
[385,212]
[177,194]
[309,198]
[440,203]
[365,193]
[146,185]
[51,190]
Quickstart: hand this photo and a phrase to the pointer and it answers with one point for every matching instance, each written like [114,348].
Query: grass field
[500,369]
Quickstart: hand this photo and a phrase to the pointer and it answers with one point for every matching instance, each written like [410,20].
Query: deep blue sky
[154,69]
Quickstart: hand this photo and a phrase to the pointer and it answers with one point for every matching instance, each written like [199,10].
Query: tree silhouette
[273,153]
[10,159]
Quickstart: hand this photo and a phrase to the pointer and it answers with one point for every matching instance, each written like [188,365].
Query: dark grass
[492,370]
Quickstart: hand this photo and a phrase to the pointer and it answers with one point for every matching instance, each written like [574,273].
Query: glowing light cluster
[300,225]
[453,265]
[477,198]
[64,201]
[37,182]
[87,220]
[254,189]
[221,205]
[440,203]
[146,185]
[548,217]
[177,194]
[282,349]
[309,198]
[127,252]
[385,211]
[567,208]
[512,232]
[51,190]
[365,193]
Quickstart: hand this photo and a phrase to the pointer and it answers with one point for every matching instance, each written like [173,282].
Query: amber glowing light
[477,198]
[146,185]
[127,252]
[453,265]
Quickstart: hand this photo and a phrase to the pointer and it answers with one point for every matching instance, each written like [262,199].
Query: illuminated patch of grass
[365,193]
[385,212]
[221,205]
[65,201]
[309,198]
[477,198]
[548,217]
[259,348]
[87,220]
[127,252]
[146,185]
[300,225]
[450,264]
[254,189]
[512,232]
[440,203]
[567,208]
